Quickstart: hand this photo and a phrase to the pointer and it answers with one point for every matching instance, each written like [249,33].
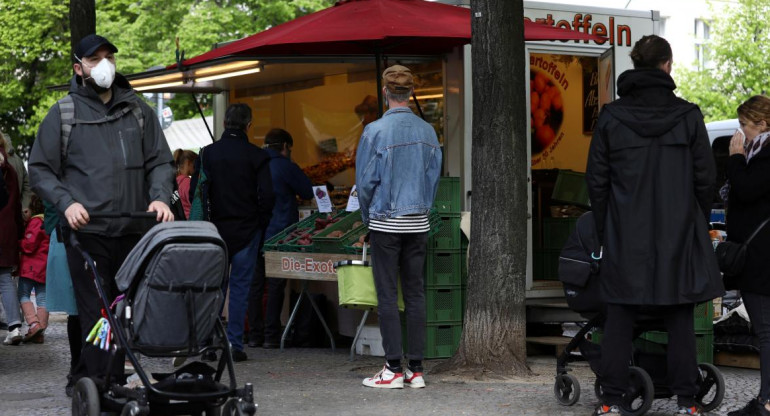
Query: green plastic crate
[464,261]
[704,317]
[272,243]
[545,264]
[570,188]
[448,236]
[324,244]
[556,231]
[704,344]
[444,304]
[441,339]
[443,267]
[448,196]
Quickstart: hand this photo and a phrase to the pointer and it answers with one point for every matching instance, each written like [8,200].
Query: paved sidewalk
[319,382]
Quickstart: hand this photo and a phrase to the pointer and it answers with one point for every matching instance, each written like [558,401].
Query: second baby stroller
[172,284]
[578,270]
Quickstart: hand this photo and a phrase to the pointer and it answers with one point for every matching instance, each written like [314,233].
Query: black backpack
[579,267]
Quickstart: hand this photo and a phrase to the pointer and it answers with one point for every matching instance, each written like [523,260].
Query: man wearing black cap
[397,170]
[288,182]
[101,148]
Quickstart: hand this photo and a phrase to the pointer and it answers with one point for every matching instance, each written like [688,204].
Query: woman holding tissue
[748,174]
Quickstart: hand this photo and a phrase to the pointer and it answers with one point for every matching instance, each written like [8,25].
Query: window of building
[702,47]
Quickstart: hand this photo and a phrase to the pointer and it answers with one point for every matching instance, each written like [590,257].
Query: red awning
[368,27]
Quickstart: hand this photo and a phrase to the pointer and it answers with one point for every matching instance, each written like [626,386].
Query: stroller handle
[119,214]
[113,214]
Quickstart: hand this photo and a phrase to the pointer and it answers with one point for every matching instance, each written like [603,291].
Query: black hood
[647,103]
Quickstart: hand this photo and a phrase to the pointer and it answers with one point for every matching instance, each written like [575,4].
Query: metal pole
[200,110]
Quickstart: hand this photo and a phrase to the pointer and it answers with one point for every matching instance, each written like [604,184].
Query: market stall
[317,77]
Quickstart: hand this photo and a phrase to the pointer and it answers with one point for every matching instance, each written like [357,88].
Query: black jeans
[254,310]
[758,307]
[681,358]
[108,253]
[404,255]
[275,293]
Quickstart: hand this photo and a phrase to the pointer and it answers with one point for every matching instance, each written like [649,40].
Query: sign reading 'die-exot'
[308,265]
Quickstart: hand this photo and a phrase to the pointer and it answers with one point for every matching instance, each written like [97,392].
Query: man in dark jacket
[241,201]
[650,177]
[288,182]
[115,158]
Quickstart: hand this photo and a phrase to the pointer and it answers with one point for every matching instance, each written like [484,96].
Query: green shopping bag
[355,283]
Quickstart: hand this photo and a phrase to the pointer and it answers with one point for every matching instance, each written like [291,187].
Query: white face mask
[103,73]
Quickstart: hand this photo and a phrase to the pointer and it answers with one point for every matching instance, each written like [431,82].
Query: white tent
[189,134]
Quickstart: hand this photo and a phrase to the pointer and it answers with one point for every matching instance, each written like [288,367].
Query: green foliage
[35,45]
[739,47]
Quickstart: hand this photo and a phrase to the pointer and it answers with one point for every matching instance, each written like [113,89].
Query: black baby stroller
[172,285]
[578,266]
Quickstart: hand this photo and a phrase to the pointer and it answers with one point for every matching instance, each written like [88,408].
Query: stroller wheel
[566,388]
[598,390]
[132,408]
[711,387]
[233,407]
[638,400]
[85,398]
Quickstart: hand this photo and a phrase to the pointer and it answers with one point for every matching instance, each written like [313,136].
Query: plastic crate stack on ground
[571,192]
[445,274]
[654,342]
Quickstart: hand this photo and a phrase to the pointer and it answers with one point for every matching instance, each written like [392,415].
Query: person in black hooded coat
[651,176]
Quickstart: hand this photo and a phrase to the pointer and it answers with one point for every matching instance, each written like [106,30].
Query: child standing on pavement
[32,268]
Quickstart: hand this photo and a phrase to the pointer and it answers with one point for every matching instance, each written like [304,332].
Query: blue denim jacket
[398,164]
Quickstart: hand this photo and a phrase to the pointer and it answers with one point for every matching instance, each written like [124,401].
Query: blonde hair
[756,109]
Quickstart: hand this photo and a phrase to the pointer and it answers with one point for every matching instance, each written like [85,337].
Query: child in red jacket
[32,265]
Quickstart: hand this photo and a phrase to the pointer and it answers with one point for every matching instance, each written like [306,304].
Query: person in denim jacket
[397,171]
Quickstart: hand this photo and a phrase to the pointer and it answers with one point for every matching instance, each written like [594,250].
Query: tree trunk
[82,21]
[493,340]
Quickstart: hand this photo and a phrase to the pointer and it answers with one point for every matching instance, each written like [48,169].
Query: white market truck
[569,82]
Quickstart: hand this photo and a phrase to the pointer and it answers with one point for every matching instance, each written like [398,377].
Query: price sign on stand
[322,198]
[352,200]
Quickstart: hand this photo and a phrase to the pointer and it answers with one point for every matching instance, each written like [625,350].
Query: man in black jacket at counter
[241,203]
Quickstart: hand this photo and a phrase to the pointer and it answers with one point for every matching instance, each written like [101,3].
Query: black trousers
[254,309]
[276,289]
[108,253]
[681,357]
[394,256]
[758,307]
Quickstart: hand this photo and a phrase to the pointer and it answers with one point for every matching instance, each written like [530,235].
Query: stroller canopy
[193,230]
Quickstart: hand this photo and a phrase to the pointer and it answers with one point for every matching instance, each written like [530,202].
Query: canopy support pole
[200,110]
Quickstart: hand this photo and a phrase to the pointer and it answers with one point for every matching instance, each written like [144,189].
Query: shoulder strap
[67,115]
[137,112]
[68,120]
[754,234]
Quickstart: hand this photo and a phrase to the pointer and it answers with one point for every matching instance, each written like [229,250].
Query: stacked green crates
[445,274]
[545,259]
[655,341]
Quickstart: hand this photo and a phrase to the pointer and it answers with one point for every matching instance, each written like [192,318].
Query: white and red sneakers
[414,379]
[385,379]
